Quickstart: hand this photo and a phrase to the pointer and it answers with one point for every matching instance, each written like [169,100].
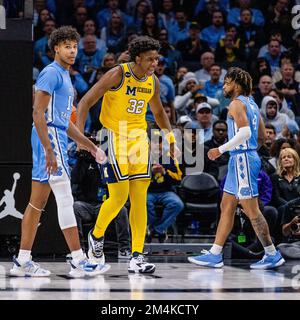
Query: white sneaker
[95,252]
[28,269]
[139,265]
[85,268]
[124,254]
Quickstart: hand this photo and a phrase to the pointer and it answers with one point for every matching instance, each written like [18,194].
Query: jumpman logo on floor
[9,200]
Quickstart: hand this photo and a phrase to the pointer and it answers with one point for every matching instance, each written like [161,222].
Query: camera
[295,227]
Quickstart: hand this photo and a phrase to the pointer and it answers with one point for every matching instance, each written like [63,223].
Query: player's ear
[56,49]
[138,59]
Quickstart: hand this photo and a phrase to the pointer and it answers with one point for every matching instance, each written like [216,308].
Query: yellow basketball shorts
[127,158]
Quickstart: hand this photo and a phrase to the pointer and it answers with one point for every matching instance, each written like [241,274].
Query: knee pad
[64,201]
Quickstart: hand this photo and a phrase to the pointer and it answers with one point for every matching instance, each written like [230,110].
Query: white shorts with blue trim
[59,143]
[243,171]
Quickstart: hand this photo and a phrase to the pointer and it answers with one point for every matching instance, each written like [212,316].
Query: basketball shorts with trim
[127,158]
[59,143]
[242,176]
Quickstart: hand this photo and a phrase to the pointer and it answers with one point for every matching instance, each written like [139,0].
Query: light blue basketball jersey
[56,80]
[253,119]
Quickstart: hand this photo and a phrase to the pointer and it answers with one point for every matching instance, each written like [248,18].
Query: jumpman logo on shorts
[9,200]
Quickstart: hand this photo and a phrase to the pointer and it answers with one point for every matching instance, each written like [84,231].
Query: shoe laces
[31,265]
[98,247]
[204,251]
[140,258]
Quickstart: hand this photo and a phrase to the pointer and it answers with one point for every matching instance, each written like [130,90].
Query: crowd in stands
[200,40]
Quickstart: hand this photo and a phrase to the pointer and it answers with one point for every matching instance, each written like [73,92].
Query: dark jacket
[166,182]
[284,191]
[86,180]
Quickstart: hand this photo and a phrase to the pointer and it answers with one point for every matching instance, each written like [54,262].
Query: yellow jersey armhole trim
[122,81]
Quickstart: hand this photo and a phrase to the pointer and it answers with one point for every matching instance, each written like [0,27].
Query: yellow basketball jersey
[124,108]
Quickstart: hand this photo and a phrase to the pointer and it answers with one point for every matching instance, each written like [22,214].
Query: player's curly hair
[63,34]
[241,77]
[142,44]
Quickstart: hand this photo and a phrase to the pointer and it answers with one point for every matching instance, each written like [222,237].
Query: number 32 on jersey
[136,106]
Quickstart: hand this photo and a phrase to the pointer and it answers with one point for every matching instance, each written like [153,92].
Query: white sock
[78,256]
[270,250]
[216,249]
[24,256]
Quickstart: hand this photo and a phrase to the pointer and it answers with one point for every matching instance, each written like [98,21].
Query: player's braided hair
[142,44]
[62,34]
[241,77]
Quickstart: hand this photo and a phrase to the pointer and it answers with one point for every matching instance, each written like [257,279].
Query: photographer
[290,224]
[89,192]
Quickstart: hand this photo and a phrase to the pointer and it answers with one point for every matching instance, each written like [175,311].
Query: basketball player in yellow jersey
[126,91]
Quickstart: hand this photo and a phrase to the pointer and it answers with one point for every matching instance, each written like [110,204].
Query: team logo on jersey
[131,91]
[127,74]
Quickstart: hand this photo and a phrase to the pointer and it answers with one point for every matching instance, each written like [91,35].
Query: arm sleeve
[242,135]
[48,80]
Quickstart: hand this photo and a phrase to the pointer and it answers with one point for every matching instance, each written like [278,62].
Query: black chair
[200,194]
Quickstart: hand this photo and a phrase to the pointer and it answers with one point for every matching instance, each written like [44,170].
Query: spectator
[290,88]
[192,47]
[173,57]
[270,113]
[283,106]
[205,119]
[219,137]
[89,59]
[278,145]
[165,176]
[205,8]
[228,51]
[261,68]
[44,15]
[235,13]
[180,29]
[140,12]
[206,60]
[278,17]
[273,55]
[251,36]
[104,16]
[41,46]
[187,90]
[213,33]
[264,87]
[181,72]
[286,182]
[132,4]
[275,35]
[89,28]
[167,16]
[167,92]
[114,34]
[79,18]
[78,82]
[270,135]
[192,148]
[109,61]
[212,86]
[295,49]
[285,57]
[150,26]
